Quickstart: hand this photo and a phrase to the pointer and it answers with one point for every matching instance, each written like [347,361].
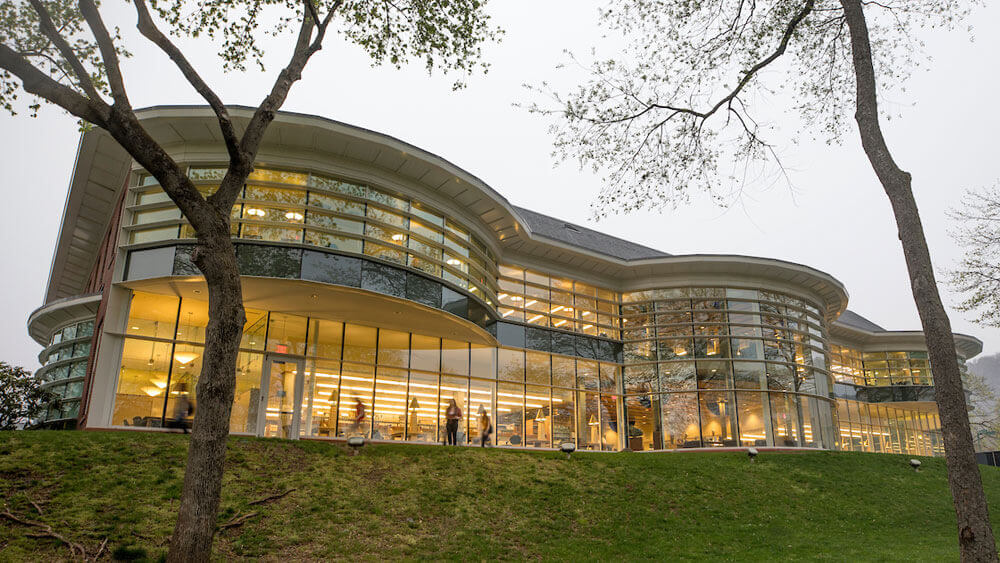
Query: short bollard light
[356,443]
[567,448]
[752,454]
[915,464]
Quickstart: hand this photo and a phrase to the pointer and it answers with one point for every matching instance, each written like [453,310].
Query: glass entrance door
[282,397]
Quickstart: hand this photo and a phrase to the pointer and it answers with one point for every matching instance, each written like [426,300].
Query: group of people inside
[453,416]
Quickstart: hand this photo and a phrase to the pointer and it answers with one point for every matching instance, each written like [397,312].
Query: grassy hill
[398,501]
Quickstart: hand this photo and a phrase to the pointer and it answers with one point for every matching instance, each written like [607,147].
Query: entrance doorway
[281,382]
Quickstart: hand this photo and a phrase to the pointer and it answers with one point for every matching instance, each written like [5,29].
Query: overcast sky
[837,220]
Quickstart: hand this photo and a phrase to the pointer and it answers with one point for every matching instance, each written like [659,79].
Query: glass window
[563,428]
[718,420]
[286,334]
[425,353]
[155,215]
[588,421]
[359,344]
[325,338]
[510,365]
[334,222]
[335,242]
[749,375]
[480,402]
[510,413]
[279,176]
[142,383]
[357,386]
[454,389]
[643,412]
[537,417]
[538,368]
[784,419]
[681,426]
[389,412]
[321,394]
[337,204]
[246,398]
[563,371]
[393,348]
[454,357]
[153,235]
[152,315]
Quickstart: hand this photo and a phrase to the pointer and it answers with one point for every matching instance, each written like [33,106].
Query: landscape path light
[356,443]
[752,454]
[915,464]
[567,448]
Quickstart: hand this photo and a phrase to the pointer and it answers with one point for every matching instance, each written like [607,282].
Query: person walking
[453,416]
[485,426]
[359,416]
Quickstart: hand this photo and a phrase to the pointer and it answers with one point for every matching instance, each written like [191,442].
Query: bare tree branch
[147,26]
[109,54]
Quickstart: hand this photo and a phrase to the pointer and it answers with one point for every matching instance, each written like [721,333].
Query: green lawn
[460,503]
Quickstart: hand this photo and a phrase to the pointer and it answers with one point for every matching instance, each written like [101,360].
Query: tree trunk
[215,256]
[975,534]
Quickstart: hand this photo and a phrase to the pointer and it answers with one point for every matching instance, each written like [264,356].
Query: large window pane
[286,334]
[588,417]
[751,419]
[426,353]
[454,357]
[681,427]
[562,423]
[718,423]
[389,416]
[359,344]
[480,401]
[510,365]
[393,348]
[784,419]
[454,389]
[357,385]
[537,417]
[142,383]
[246,399]
[320,396]
[325,338]
[510,414]
[152,315]
[643,412]
[422,407]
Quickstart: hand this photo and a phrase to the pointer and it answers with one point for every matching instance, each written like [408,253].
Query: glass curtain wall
[403,382]
[64,367]
[877,428]
[303,208]
[539,299]
[725,367]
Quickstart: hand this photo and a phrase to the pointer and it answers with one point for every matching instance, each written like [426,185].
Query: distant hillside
[438,503]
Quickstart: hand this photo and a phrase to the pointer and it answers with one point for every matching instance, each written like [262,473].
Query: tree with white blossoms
[977,275]
[674,114]
[64,53]
[22,399]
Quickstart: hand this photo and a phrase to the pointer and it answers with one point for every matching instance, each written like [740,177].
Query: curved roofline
[969,346]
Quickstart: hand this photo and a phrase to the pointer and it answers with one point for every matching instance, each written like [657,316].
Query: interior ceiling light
[256,212]
[454,262]
[398,237]
[185,357]
[294,216]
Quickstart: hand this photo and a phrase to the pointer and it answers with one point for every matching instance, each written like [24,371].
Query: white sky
[838,221]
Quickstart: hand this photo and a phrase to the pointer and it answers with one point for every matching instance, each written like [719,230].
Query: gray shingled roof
[854,320]
[588,239]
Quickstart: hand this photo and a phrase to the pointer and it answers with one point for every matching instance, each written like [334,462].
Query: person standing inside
[182,409]
[453,416]
[485,426]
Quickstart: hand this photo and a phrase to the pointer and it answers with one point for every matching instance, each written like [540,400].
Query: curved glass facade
[717,366]
[880,369]
[404,380]
[64,366]
[300,208]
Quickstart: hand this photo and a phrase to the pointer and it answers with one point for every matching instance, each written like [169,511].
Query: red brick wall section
[100,281]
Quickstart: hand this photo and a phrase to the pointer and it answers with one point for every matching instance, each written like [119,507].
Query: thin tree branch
[147,26]
[49,30]
[224,197]
[40,84]
[112,66]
